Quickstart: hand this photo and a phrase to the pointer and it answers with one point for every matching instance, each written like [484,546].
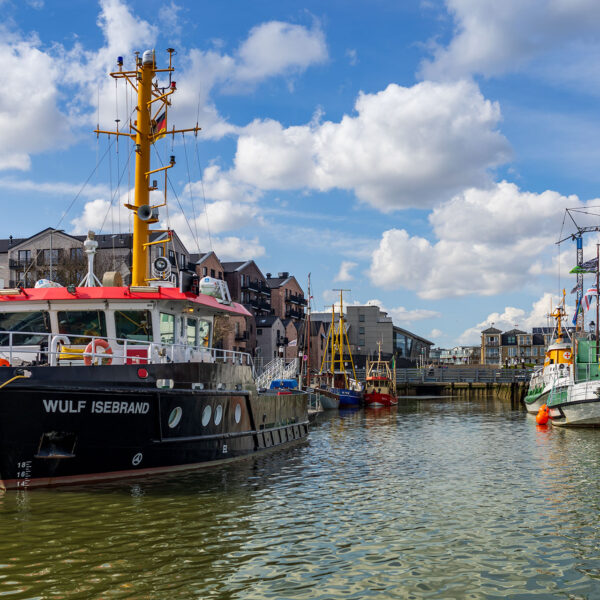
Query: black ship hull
[105,422]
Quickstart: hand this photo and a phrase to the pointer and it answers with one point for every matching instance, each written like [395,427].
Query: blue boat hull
[348,397]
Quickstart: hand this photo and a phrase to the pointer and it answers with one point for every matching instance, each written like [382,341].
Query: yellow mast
[142,166]
[341,339]
[558,314]
[332,339]
[144,133]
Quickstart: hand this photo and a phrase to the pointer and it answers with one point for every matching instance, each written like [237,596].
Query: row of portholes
[177,413]
[206,413]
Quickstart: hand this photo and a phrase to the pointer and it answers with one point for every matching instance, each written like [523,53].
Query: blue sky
[419,153]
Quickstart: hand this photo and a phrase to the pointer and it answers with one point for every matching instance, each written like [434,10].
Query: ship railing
[73,349]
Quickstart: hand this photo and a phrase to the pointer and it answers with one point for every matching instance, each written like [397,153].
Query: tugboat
[555,373]
[335,384]
[380,383]
[116,381]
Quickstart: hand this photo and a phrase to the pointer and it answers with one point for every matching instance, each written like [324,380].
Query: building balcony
[264,289]
[264,305]
[296,299]
[292,313]
[242,336]
[491,343]
[19,264]
[251,286]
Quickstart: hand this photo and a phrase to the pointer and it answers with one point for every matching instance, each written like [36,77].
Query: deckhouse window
[191,331]
[25,324]
[167,328]
[203,332]
[134,325]
[82,323]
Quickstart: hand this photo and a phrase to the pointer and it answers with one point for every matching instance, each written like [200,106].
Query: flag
[577,287]
[159,130]
[589,296]
[589,266]
[577,311]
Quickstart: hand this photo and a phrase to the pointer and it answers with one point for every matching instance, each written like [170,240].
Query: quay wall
[513,392]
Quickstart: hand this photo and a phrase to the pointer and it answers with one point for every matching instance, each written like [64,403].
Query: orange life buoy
[92,347]
[4,363]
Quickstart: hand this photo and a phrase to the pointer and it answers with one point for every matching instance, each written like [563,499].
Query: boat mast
[307,329]
[145,75]
[145,132]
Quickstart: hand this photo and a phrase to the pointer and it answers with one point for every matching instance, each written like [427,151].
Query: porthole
[218,414]
[206,416]
[175,417]
[238,413]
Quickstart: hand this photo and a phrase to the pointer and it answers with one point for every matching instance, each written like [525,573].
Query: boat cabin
[110,325]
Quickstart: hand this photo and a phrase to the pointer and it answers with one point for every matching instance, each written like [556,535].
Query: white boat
[578,404]
[555,374]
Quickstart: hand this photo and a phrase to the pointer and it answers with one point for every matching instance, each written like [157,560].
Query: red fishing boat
[380,384]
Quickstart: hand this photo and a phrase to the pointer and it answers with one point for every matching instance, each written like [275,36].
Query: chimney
[10,240]
[283,275]
[268,275]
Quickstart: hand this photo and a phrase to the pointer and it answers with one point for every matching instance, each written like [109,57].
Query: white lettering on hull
[106,407]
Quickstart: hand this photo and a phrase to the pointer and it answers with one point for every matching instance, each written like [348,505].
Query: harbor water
[438,498]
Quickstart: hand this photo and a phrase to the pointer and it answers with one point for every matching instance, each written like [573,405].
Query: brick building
[287,297]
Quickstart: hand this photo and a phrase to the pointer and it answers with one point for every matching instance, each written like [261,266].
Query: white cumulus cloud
[344,273]
[404,147]
[489,241]
[492,38]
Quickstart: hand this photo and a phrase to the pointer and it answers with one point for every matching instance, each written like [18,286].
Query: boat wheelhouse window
[203,332]
[24,324]
[191,331]
[167,328]
[134,325]
[83,323]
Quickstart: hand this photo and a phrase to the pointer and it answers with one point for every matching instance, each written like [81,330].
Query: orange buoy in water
[543,415]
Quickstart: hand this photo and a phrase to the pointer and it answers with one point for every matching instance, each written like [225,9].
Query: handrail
[51,345]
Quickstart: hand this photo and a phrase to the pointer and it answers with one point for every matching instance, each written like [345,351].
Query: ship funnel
[144,212]
[148,58]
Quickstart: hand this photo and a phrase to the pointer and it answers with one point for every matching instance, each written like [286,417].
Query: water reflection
[429,499]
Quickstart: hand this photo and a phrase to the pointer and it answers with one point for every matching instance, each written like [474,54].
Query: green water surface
[433,499]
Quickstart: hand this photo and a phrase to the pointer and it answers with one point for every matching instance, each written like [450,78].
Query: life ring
[92,347]
[4,363]
[567,355]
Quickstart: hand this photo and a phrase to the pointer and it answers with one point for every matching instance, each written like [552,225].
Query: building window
[361,318]
[172,257]
[258,331]
[49,256]
[204,271]
[76,253]
[212,273]
[182,261]
[24,256]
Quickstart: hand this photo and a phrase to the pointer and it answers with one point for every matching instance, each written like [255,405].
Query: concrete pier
[514,391]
